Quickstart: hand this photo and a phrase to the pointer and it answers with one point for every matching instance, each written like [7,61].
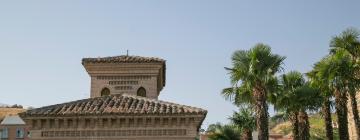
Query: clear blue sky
[42,43]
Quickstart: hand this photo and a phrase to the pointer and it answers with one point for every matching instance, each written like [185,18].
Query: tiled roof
[114,104]
[123,59]
[12,120]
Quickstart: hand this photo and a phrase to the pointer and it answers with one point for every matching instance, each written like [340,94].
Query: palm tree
[336,70]
[348,41]
[285,100]
[309,99]
[295,98]
[240,96]
[326,93]
[223,132]
[253,71]
[245,121]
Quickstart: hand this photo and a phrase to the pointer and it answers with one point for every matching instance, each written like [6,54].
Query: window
[4,133]
[19,132]
[141,92]
[105,92]
[28,134]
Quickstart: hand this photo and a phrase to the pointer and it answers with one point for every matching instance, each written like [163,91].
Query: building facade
[13,128]
[123,105]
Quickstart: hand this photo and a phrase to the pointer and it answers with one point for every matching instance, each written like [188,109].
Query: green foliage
[240,96]
[223,132]
[317,130]
[251,68]
[347,41]
[335,71]
[244,119]
[257,64]
[296,94]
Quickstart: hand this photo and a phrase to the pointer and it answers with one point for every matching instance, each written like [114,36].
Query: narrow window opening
[105,92]
[141,92]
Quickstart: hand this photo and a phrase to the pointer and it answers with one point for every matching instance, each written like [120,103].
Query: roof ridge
[123,59]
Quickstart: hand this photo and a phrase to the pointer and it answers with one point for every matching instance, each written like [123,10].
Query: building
[123,104]
[13,128]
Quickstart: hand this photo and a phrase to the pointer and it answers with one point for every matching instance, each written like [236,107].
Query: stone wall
[114,127]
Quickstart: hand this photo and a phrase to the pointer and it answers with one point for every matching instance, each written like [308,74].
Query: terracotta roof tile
[123,59]
[114,104]
[127,59]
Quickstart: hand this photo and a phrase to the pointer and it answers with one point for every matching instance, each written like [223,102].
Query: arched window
[141,92]
[105,92]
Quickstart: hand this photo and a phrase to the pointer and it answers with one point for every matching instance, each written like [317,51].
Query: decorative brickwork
[114,133]
[123,82]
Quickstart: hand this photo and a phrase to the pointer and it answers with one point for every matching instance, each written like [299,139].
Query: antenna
[127,52]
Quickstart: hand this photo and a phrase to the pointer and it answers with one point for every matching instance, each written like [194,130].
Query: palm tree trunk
[341,112]
[304,126]
[327,118]
[295,125]
[355,112]
[262,115]
[246,134]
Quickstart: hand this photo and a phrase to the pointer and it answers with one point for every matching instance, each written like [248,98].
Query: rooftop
[114,104]
[12,120]
[123,59]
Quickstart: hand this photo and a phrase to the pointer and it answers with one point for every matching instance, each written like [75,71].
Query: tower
[135,75]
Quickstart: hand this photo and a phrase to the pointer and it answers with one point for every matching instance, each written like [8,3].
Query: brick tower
[135,75]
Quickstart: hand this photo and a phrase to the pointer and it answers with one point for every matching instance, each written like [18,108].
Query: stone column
[178,121]
[56,123]
[152,123]
[66,123]
[82,123]
[144,123]
[117,122]
[100,123]
[75,123]
[38,123]
[48,125]
[109,125]
[93,123]
[187,121]
[161,122]
[135,122]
